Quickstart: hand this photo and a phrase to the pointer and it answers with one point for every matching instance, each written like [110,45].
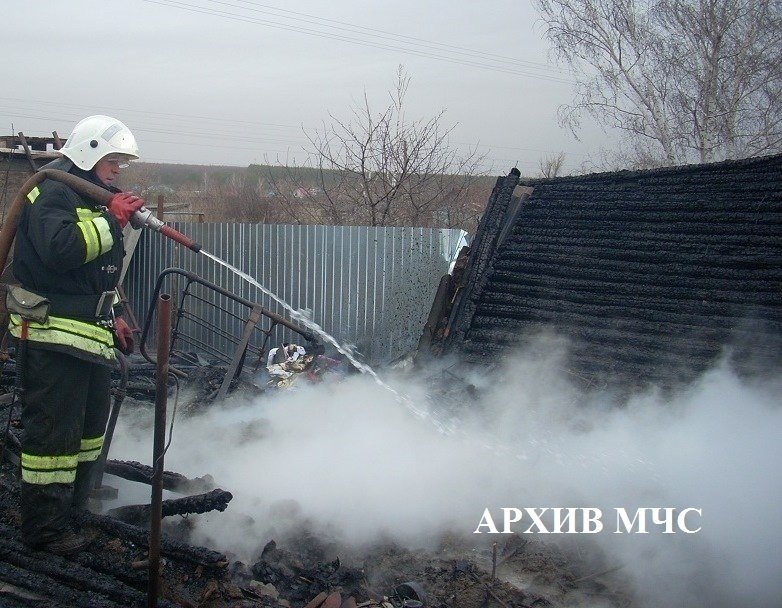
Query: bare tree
[237,196]
[298,193]
[684,79]
[382,169]
[550,166]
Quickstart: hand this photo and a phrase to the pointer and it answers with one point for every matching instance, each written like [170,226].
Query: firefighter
[69,250]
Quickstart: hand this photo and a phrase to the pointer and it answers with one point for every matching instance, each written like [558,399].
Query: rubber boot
[45,510]
[67,543]
[85,475]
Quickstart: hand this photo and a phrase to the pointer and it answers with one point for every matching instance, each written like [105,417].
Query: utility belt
[92,306]
[82,306]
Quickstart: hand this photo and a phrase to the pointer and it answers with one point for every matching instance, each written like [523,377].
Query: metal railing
[211,320]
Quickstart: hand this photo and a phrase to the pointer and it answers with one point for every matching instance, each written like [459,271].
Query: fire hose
[142,218]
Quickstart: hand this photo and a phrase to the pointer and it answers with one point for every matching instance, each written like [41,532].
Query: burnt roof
[651,275]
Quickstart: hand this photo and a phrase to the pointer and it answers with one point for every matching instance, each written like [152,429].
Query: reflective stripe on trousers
[59,469]
[90,449]
[49,469]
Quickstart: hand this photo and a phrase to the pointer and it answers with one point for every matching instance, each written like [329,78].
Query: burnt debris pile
[112,572]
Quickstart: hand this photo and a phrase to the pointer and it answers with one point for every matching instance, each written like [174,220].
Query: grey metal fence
[368,287]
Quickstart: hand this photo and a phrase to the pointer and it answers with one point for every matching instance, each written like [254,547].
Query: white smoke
[352,460]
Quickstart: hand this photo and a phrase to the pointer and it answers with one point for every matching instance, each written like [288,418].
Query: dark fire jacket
[71,246]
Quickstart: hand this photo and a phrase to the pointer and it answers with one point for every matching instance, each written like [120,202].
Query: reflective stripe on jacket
[81,335]
[95,229]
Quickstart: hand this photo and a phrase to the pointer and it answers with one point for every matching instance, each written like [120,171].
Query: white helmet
[97,136]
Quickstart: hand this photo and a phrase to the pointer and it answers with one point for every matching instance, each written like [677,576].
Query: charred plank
[175,482]
[168,547]
[139,515]
[56,594]
[67,573]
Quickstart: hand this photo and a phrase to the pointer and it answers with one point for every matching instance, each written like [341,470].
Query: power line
[220,120]
[143,127]
[318,33]
[516,148]
[489,165]
[161,114]
[350,27]
[488,162]
[211,145]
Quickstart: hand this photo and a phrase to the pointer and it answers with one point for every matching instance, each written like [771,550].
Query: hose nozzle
[143,218]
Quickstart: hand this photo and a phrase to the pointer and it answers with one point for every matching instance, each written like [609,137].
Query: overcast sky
[234,82]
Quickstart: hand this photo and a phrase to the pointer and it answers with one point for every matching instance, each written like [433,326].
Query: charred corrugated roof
[649,274]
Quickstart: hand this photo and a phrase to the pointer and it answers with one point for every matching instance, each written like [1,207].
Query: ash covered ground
[348,487]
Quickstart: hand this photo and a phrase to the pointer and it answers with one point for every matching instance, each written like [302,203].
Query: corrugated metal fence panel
[368,287]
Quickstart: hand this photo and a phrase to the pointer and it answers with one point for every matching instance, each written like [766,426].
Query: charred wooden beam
[216,500]
[27,151]
[175,482]
[111,567]
[139,536]
[168,547]
[56,593]
[67,573]
[479,262]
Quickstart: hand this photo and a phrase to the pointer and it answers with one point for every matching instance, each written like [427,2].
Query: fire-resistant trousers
[65,407]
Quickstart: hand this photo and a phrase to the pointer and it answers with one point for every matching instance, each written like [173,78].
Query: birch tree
[684,80]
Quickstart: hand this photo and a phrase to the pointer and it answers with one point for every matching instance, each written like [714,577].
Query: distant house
[157,189]
[304,192]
